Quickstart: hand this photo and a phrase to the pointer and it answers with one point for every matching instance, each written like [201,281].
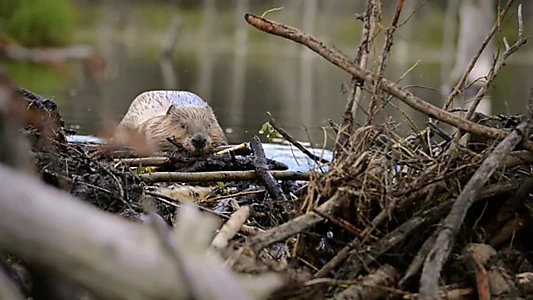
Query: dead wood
[370,18]
[73,239]
[296,144]
[439,253]
[525,282]
[492,278]
[219,176]
[373,286]
[261,169]
[295,225]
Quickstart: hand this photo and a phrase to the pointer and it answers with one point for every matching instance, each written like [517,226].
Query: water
[243,73]
[295,159]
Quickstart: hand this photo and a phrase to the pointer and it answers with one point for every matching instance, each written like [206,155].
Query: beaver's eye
[182,125]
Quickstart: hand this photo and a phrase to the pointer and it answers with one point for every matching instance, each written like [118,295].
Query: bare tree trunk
[305,102]
[207,60]
[239,64]
[476,19]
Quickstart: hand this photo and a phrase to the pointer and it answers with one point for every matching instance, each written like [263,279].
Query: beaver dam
[435,214]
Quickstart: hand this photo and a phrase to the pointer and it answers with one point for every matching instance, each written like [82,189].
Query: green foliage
[270,132]
[38,22]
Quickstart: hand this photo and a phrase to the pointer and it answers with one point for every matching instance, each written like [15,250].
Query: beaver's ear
[171,110]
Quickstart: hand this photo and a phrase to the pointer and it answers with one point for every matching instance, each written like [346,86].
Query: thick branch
[105,254]
[439,253]
[111,257]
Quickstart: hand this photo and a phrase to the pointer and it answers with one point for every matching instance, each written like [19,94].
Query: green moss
[38,22]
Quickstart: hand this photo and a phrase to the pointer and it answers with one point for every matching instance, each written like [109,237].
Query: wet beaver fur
[181,116]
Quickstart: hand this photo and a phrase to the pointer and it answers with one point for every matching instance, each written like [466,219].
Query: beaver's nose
[198,142]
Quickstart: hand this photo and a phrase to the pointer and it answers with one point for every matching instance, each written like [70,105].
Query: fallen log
[109,256]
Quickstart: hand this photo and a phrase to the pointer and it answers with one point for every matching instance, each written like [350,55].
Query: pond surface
[295,159]
[243,74]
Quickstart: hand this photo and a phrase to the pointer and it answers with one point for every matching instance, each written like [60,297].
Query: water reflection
[242,78]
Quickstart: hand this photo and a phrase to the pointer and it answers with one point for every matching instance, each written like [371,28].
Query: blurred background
[94,56]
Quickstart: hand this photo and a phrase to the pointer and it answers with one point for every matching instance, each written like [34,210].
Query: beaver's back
[156,103]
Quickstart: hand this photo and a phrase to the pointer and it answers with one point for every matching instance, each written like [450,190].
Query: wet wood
[261,169]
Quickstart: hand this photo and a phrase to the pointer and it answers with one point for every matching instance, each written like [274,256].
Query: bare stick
[295,225]
[340,60]
[389,36]
[261,169]
[52,229]
[439,253]
[219,176]
[509,50]
[369,287]
[459,86]
[109,256]
[143,161]
[231,227]
[296,144]
[361,58]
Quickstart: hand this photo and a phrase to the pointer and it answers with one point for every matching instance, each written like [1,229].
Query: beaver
[182,116]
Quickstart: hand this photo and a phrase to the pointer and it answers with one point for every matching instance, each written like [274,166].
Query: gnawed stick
[261,169]
[231,227]
[371,286]
[219,176]
[340,60]
[436,258]
[143,161]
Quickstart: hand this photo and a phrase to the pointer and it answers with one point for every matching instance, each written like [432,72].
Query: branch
[340,60]
[439,253]
[354,98]
[261,169]
[509,50]
[109,256]
[293,141]
[219,176]
[295,225]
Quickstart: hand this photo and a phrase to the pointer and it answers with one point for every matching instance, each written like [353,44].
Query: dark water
[301,91]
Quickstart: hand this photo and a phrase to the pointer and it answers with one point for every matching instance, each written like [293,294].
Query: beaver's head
[196,129]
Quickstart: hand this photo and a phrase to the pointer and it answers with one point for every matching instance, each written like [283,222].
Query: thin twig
[355,94]
[293,141]
[509,50]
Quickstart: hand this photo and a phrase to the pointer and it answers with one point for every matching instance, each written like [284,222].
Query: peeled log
[111,257]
